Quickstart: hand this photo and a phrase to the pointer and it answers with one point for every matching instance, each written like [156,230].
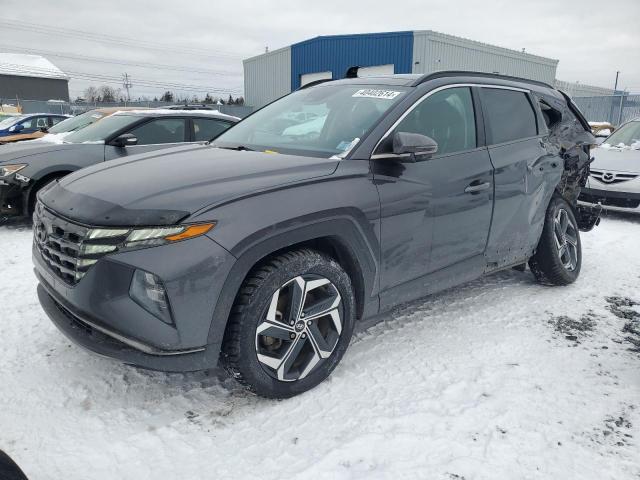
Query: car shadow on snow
[15,223]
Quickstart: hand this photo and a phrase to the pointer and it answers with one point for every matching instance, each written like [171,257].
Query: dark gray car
[332,204]
[28,166]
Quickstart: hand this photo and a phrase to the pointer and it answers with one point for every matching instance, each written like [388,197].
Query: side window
[31,123]
[41,122]
[509,115]
[55,120]
[206,129]
[447,117]
[160,130]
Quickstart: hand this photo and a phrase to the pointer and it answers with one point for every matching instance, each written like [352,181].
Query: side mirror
[413,145]
[16,128]
[124,140]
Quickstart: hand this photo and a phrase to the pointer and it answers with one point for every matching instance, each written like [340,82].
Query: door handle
[475,188]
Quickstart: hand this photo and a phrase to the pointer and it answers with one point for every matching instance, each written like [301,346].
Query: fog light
[148,291]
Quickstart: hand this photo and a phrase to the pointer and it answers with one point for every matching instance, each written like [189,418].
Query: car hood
[616,159]
[162,188]
[16,151]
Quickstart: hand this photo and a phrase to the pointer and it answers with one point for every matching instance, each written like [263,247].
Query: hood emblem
[41,233]
[608,177]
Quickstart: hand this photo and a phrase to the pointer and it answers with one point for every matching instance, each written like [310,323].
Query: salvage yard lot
[499,378]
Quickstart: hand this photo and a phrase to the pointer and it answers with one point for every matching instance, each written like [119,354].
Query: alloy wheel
[565,234]
[300,329]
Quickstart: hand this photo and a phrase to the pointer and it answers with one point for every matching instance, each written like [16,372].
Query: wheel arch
[41,182]
[339,238]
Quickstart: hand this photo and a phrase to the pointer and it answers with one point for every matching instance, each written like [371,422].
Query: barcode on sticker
[372,93]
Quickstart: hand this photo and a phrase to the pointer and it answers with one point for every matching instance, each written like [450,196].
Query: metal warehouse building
[31,77]
[274,74]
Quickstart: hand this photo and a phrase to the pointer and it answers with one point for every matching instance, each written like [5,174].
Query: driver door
[436,212]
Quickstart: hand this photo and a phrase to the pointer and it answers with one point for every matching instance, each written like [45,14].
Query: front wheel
[291,324]
[558,257]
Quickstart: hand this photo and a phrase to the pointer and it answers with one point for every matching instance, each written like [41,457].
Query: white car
[614,182]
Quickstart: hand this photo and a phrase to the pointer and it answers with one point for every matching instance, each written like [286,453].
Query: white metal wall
[575,89]
[433,52]
[267,77]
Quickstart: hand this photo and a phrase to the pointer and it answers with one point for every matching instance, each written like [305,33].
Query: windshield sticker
[342,146]
[372,93]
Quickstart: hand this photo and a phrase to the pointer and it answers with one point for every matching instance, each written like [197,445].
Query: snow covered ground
[499,379]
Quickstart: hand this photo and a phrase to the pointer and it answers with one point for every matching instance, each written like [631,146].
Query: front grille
[612,177]
[610,201]
[66,247]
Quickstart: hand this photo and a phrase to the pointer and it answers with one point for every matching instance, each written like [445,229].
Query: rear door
[522,165]
[155,134]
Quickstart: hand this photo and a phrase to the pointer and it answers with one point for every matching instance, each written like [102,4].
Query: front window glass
[76,123]
[99,131]
[627,135]
[320,121]
[447,117]
[163,130]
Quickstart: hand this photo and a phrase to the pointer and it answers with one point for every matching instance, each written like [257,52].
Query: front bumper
[613,200]
[99,314]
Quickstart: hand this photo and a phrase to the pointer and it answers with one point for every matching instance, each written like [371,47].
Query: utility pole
[616,85]
[126,83]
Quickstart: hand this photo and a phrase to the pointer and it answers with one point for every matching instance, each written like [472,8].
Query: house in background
[31,77]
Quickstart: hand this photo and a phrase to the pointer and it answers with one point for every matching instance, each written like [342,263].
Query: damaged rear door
[526,173]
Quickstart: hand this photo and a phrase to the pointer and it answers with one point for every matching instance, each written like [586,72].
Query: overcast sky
[205,41]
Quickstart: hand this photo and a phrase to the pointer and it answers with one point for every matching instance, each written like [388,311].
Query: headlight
[7,170]
[98,239]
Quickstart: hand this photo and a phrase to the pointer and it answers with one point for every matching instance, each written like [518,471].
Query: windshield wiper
[239,148]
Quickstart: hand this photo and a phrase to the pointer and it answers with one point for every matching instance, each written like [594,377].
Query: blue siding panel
[339,52]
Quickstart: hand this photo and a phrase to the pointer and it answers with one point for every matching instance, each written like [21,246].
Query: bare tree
[109,94]
[91,94]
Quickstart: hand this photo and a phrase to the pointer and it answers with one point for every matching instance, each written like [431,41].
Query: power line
[112,39]
[88,58]
[22,70]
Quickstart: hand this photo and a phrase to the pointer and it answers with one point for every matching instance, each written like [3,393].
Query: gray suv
[264,248]
[26,167]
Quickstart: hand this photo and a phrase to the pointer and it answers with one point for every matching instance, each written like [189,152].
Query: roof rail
[462,73]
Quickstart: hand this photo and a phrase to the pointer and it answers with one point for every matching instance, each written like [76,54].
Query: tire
[558,257]
[279,346]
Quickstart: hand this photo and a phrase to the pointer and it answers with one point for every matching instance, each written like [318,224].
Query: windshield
[76,123]
[99,131]
[320,121]
[627,135]
[7,122]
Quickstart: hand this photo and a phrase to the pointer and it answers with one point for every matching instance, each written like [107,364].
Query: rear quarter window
[508,114]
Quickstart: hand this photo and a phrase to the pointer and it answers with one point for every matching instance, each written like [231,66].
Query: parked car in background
[26,167]
[263,248]
[601,130]
[70,124]
[614,182]
[4,116]
[28,124]
[191,106]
